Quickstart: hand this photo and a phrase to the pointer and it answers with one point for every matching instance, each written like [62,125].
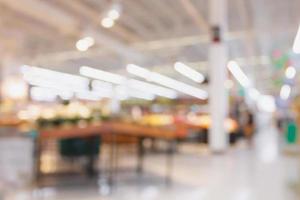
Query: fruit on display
[74,113]
[204,121]
[157,120]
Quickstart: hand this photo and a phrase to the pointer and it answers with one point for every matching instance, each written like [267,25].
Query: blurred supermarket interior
[149,99]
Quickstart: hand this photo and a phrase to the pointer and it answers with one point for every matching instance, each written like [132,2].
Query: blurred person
[249,127]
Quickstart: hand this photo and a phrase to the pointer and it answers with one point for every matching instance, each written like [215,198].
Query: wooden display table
[112,130]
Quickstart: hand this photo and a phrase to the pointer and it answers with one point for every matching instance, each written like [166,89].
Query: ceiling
[152,34]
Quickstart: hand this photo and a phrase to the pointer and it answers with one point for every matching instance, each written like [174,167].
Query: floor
[266,170]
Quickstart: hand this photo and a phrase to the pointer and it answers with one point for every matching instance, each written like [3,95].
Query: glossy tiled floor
[258,173]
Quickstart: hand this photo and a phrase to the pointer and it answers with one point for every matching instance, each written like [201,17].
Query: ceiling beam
[195,15]
[147,26]
[95,18]
[204,39]
[50,15]
[44,12]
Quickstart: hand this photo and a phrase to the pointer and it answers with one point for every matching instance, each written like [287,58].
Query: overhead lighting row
[49,84]
[132,84]
[265,103]
[166,81]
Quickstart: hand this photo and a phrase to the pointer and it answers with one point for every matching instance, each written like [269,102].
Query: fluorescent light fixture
[42,94]
[141,95]
[123,93]
[66,95]
[166,81]
[88,95]
[290,72]
[107,22]
[101,75]
[138,71]
[285,92]
[104,88]
[85,43]
[120,92]
[237,72]
[132,84]
[296,46]
[253,93]
[151,88]
[53,79]
[49,94]
[266,103]
[189,72]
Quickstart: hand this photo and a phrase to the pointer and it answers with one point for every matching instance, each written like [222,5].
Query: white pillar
[115,104]
[218,100]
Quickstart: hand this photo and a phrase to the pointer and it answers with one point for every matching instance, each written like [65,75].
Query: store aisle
[261,172]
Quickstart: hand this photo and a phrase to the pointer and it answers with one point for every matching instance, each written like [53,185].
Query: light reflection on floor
[238,175]
[261,172]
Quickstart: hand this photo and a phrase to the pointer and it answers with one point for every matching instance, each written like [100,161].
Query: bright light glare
[101,75]
[155,89]
[266,103]
[85,43]
[296,46]
[290,72]
[237,72]
[285,92]
[14,88]
[166,81]
[107,22]
[189,72]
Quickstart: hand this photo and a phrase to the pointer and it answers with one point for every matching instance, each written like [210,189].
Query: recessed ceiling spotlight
[285,92]
[290,72]
[107,22]
[85,43]
[115,11]
[113,14]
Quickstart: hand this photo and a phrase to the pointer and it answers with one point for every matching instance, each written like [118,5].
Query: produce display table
[112,130]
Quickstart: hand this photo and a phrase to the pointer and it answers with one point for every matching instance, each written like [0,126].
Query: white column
[218,100]
[115,104]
